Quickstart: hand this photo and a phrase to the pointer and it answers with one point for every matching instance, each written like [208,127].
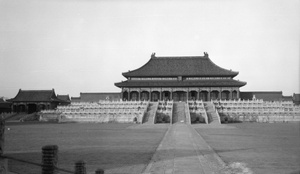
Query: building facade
[180,79]
[65,99]
[97,96]
[30,101]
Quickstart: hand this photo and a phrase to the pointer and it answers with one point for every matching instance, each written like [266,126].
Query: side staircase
[19,117]
[178,113]
[211,113]
[150,114]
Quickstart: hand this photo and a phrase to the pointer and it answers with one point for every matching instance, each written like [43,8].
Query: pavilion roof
[35,96]
[65,98]
[296,97]
[184,83]
[4,103]
[197,66]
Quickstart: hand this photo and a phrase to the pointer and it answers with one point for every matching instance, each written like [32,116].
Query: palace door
[179,96]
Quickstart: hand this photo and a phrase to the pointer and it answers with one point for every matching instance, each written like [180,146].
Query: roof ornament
[153,55]
[205,54]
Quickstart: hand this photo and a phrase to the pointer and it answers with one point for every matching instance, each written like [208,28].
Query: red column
[160,96]
[187,95]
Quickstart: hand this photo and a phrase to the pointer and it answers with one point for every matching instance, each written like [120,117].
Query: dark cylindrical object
[99,171]
[49,159]
[80,167]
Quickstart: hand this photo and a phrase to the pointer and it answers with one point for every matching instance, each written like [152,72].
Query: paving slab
[183,150]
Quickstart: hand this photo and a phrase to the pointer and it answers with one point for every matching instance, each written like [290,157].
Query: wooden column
[198,95]
[26,107]
[128,97]
[122,94]
[139,93]
[208,95]
[187,95]
[160,96]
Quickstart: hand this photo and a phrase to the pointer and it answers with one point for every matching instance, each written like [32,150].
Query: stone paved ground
[272,148]
[116,148]
[183,150]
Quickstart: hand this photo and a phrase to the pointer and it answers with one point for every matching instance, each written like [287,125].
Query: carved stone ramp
[178,112]
[150,114]
[183,150]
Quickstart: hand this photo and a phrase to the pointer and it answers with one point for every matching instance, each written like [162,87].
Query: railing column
[2,128]
[49,159]
[3,161]
[99,171]
[80,167]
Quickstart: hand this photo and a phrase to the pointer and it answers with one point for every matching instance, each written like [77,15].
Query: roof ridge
[36,90]
[222,67]
[168,57]
[180,66]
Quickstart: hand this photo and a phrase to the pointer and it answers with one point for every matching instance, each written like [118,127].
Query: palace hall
[180,78]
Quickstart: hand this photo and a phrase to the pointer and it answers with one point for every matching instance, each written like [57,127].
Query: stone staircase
[150,114]
[211,113]
[178,112]
[18,117]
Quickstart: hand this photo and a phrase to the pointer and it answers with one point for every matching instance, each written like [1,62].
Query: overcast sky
[78,46]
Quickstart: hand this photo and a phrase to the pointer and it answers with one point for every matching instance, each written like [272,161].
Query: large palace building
[180,79]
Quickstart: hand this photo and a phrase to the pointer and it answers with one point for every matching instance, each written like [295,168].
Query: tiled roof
[64,98]
[200,66]
[4,104]
[3,101]
[296,97]
[35,96]
[185,83]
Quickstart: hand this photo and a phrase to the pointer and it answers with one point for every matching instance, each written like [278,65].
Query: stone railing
[187,114]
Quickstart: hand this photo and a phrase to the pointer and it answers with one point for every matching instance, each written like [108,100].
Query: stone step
[183,150]
[211,113]
[150,114]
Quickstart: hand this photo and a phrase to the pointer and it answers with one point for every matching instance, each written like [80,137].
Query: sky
[78,46]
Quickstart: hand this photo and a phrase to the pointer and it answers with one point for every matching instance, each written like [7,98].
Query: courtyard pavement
[183,150]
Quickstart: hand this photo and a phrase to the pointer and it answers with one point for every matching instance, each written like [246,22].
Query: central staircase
[178,113]
[150,114]
[211,113]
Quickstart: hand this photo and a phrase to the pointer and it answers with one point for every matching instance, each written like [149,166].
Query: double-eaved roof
[184,83]
[195,71]
[192,66]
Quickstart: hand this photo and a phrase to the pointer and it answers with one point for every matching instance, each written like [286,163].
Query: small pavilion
[30,101]
[180,79]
